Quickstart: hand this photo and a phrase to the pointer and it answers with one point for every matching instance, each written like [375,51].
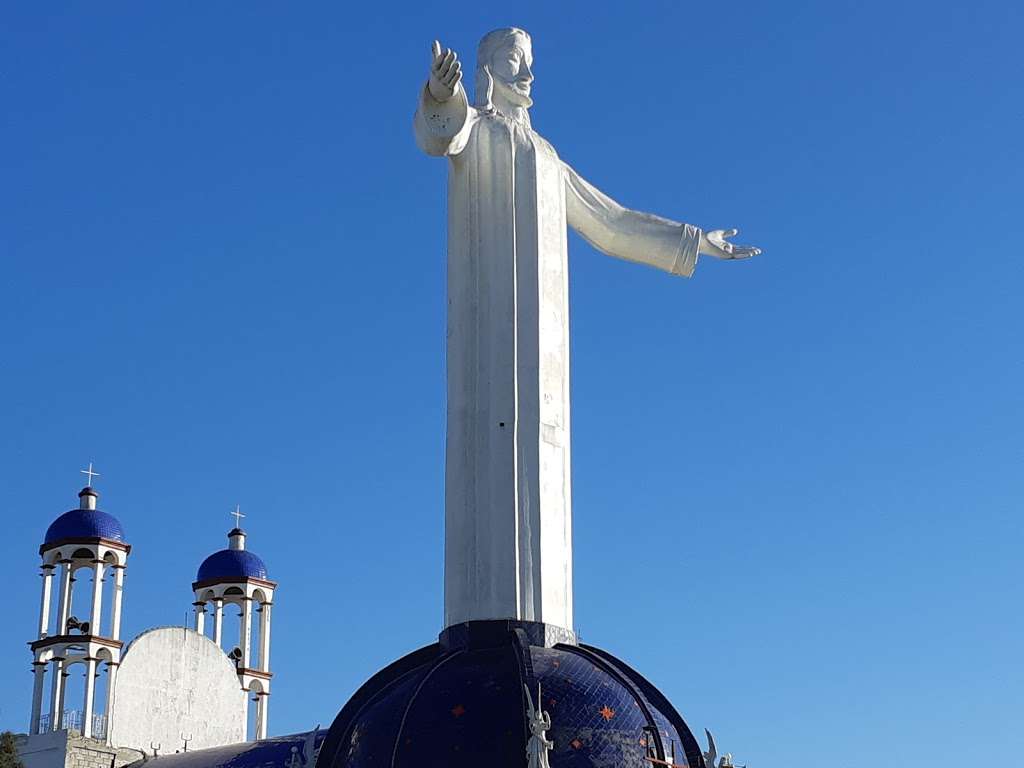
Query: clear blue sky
[798,480]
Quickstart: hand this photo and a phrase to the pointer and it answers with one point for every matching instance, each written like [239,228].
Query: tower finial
[89,474]
[238,515]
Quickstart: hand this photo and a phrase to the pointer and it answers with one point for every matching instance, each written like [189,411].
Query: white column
[115,616]
[65,598]
[246,639]
[96,613]
[261,716]
[111,680]
[88,705]
[265,638]
[218,620]
[38,672]
[56,692]
[200,617]
[44,608]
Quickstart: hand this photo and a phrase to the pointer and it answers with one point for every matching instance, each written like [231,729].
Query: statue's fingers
[454,77]
[435,51]
[449,58]
[450,64]
[730,233]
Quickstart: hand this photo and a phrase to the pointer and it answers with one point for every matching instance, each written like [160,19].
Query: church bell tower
[81,542]
[236,576]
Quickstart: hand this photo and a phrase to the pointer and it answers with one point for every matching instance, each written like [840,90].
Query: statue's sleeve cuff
[441,128]
[686,257]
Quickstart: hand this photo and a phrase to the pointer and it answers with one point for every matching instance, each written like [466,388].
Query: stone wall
[90,753]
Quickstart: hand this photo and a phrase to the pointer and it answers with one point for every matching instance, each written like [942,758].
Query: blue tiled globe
[461,702]
[232,564]
[84,524]
[276,752]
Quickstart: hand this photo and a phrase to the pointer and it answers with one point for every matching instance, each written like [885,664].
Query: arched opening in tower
[73,709]
[79,611]
[232,640]
[253,704]
[104,625]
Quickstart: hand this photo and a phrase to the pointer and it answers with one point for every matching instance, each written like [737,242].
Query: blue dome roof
[84,524]
[275,752]
[232,564]
[461,702]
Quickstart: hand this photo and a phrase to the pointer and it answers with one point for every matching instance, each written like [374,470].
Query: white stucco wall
[174,681]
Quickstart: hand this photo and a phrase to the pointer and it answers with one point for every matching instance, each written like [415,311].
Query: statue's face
[511,70]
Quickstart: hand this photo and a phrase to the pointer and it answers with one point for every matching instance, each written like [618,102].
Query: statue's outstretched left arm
[642,237]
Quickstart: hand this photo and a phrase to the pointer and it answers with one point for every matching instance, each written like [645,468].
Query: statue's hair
[489,44]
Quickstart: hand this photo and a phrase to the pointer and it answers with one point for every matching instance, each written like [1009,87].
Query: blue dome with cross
[234,563]
[84,523]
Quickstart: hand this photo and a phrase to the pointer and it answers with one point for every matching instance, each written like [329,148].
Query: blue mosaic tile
[462,703]
[232,564]
[84,524]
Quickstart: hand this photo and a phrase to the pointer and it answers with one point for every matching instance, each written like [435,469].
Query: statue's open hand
[445,72]
[714,243]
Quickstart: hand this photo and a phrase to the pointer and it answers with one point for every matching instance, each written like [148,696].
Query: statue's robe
[508,522]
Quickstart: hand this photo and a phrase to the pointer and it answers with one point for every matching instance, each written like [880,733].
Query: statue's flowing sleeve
[627,234]
[443,128]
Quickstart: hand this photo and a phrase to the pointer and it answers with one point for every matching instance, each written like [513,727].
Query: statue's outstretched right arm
[443,117]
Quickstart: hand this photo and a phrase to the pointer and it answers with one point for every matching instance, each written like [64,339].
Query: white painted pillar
[200,617]
[115,616]
[64,610]
[246,639]
[265,638]
[261,716]
[38,673]
[88,705]
[44,608]
[218,620]
[96,613]
[111,680]
[56,692]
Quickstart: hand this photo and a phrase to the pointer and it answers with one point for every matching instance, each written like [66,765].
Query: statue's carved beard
[507,94]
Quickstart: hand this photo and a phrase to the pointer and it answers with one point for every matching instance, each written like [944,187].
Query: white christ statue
[508,527]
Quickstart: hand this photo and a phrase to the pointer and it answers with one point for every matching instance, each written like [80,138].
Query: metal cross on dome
[237,515]
[90,474]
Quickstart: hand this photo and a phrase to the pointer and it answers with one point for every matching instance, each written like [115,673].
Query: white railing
[71,720]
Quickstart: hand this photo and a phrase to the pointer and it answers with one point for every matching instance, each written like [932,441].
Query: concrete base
[484,634]
[69,749]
